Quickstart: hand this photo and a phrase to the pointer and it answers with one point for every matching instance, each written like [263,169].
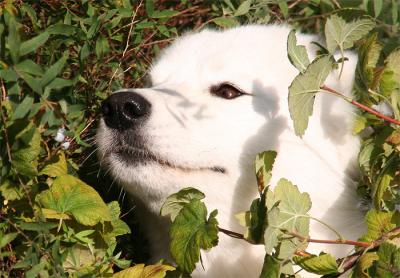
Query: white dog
[217,99]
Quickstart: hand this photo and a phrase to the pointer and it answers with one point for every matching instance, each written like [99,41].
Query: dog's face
[202,120]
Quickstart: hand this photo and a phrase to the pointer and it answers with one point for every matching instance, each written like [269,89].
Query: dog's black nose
[121,110]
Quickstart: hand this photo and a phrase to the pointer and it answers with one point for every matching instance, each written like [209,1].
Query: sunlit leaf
[297,53]
[142,271]
[323,264]
[303,89]
[190,232]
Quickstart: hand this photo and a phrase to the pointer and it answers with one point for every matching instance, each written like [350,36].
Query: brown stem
[327,241]
[231,234]
[362,106]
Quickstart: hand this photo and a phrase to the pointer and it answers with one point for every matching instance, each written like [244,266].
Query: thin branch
[231,234]
[327,241]
[362,106]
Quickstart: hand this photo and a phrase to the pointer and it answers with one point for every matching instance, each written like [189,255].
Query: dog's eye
[226,91]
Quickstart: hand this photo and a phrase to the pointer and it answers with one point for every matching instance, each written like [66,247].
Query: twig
[361,106]
[327,241]
[231,234]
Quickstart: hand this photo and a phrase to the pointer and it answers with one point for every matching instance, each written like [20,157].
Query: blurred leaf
[226,22]
[163,14]
[243,8]
[10,190]
[23,108]
[190,231]
[297,53]
[175,202]
[389,259]
[378,223]
[271,267]
[323,264]
[102,46]
[385,178]
[52,214]
[61,29]
[364,263]
[377,7]
[71,196]
[258,219]
[149,7]
[54,70]
[34,43]
[56,167]
[340,34]
[13,39]
[303,89]
[25,159]
[142,271]
[6,239]
[29,67]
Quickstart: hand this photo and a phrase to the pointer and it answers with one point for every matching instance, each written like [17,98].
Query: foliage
[60,59]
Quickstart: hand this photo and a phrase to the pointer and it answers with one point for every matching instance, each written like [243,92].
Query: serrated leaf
[119,226]
[289,215]
[175,202]
[23,108]
[385,178]
[389,259]
[243,8]
[297,53]
[378,223]
[73,197]
[364,263]
[263,165]
[303,89]
[342,35]
[324,264]
[142,271]
[393,64]
[57,166]
[271,267]
[190,232]
[34,43]
[54,70]
[258,219]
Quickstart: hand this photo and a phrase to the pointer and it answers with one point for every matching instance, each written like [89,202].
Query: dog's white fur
[192,129]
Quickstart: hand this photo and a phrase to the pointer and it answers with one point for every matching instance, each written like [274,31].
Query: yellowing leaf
[56,167]
[263,165]
[190,231]
[142,271]
[378,223]
[303,89]
[323,264]
[71,196]
[297,53]
[365,262]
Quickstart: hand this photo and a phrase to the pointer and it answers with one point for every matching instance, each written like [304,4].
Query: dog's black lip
[142,155]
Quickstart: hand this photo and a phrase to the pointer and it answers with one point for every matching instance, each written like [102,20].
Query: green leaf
[297,53]
[324,264]
[73,197]
[393,64]
[56,167]
[149,7]
[190,231]
[377,7]
[364,263]
[13,39]
[175,202]
[102,46]
[54,70]
[163,14]
[6,239]
[225,22]
[23,108]
[25,159]
[142,271]
[29,67]
[243,8]
[271,267]
[61,29]
[10,190]
[258,219]
[385,178]
[289,215]
[34,43]
[263,165]
[119,226]
[303,89]
[340,34]
[378,223]
[389,259]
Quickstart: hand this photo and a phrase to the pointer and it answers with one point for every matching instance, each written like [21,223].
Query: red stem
[363,107]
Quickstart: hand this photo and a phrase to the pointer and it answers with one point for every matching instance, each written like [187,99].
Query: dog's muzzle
[122,110]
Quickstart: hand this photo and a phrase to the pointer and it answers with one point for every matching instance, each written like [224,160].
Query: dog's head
[214,102]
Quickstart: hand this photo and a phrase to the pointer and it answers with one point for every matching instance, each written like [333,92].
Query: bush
[60,59]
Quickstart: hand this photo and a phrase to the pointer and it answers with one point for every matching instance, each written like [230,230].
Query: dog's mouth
[134,156]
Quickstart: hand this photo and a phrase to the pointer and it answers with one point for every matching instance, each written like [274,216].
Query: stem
[362,106]
[329,227]
[327,241]
[231,234]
